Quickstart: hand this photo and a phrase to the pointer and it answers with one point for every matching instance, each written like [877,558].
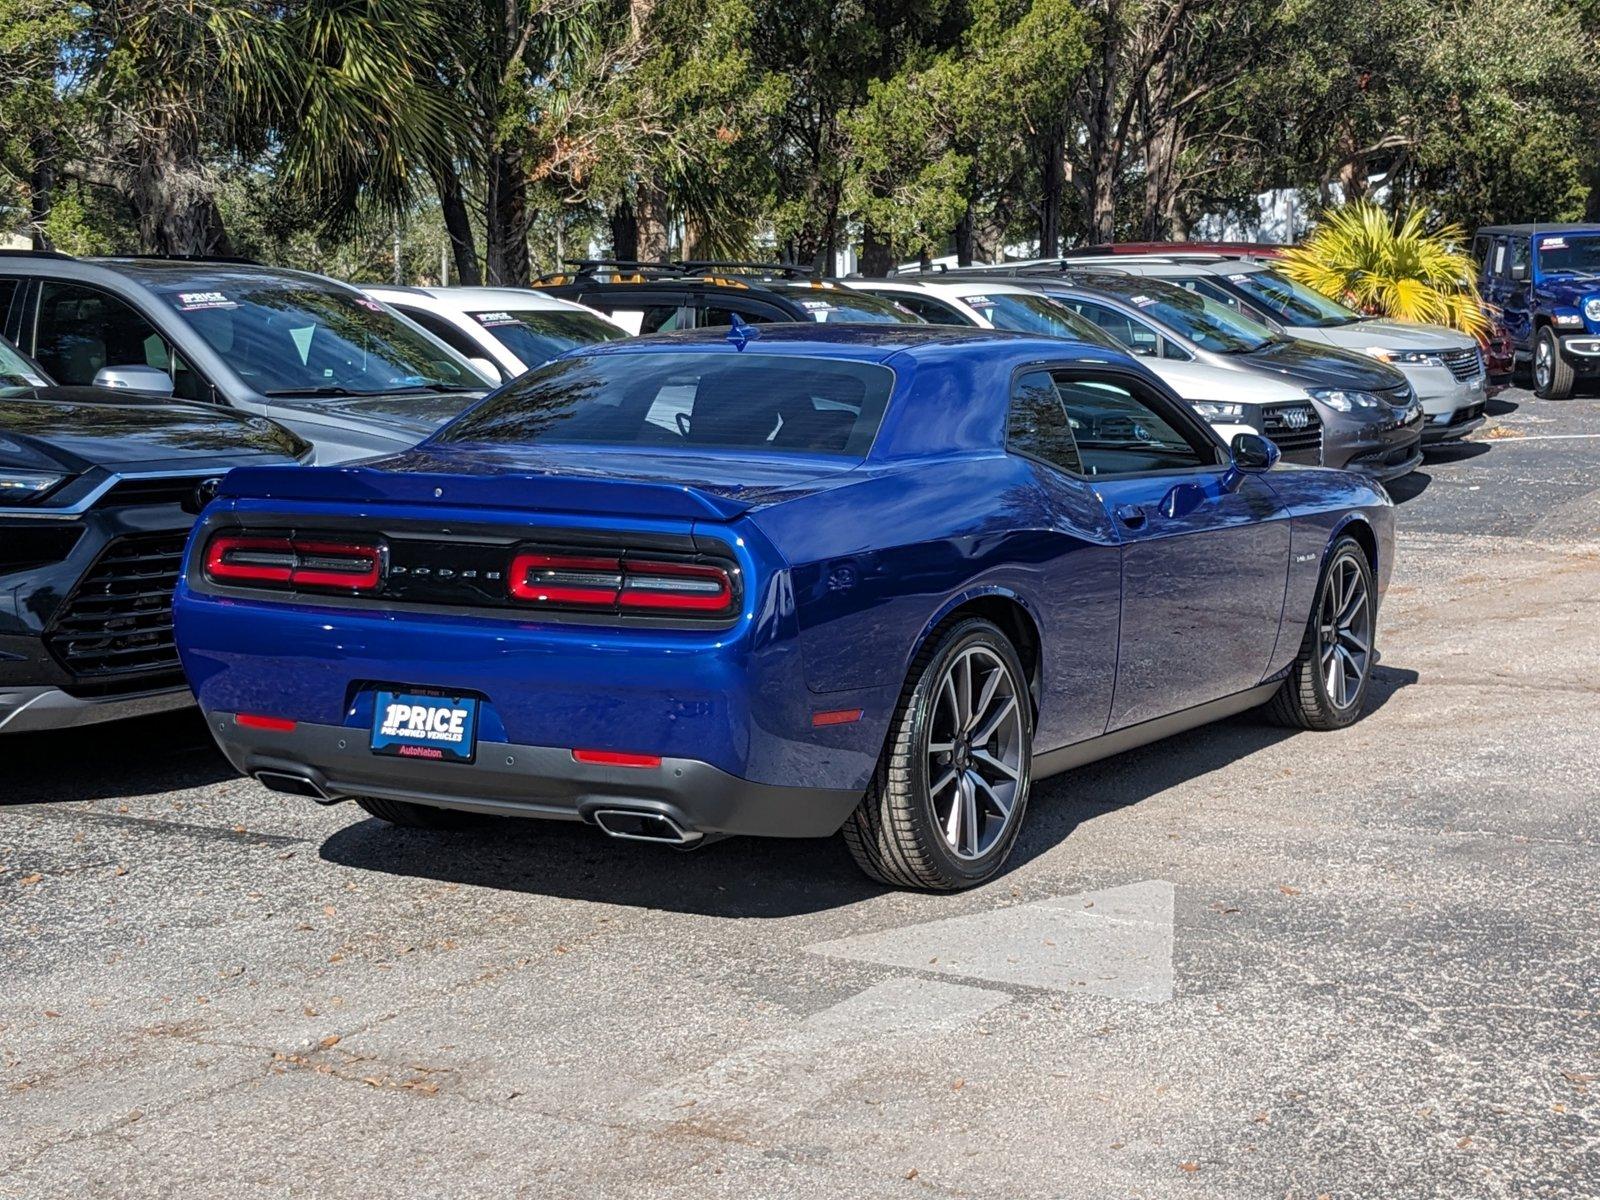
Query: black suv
[98,491]
[334,365]
[701,294]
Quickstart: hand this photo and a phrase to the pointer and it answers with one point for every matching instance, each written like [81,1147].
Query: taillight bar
[621,583]
[293,562]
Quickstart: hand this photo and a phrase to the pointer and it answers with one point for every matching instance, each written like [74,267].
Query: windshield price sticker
[194,301]
[817,305]
[491,319]
[1240,278]
[368,302]
[1144,301]
[979,301]
[1553,243]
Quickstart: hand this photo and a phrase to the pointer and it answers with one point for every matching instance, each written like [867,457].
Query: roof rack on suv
[230,260]
[706,266]
[619,270]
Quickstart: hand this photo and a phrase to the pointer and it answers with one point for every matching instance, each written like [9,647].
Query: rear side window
[935,312]
[755,403]
[639,319]
[441,329]
[1037,424]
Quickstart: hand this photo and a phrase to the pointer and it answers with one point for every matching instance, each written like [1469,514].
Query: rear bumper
[31,709]
[532,781]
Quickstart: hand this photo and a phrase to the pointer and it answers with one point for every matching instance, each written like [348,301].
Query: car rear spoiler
[515,492]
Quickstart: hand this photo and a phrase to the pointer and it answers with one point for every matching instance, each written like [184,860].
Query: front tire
[1327,685]
[417,816]
[945,805]
[1552,375]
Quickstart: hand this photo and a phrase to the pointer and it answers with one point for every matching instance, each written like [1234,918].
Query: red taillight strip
[566,579]
[620,583]
[293,562]
[250,559]
[683,587]
[257,721]
[615,758]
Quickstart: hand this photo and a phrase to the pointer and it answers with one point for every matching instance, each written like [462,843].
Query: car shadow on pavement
[142,756]
[1408,487]
[769,877]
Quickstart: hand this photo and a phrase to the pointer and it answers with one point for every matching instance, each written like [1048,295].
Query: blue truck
[1544,282]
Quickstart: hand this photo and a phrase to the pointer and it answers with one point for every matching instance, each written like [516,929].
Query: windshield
[1570,254]
[1032,313]
[1203,321]
[841,305]
[1295,303]
[286,338]
[754,403]
[16,372]
[538,335]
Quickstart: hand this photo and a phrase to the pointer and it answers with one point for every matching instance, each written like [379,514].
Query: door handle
[1131,515]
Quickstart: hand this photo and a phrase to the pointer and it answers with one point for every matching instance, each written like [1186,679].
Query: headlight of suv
[1219,412]
[1344,399]
[1408,358]
[23,487]
[1591,308]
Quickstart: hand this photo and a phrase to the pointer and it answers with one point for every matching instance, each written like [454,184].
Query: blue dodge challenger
[790,581]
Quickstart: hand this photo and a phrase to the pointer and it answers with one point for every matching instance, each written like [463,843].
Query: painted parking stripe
[1116,943]
[766,1083]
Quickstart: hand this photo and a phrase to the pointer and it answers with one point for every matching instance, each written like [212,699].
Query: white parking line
[766,1083]
[1115,943]
[1543,437]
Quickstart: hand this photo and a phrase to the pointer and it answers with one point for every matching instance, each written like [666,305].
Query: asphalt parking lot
[1240,963]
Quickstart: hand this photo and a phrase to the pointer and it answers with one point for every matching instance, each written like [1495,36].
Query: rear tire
[1327,685]
[417,816]
[948,798]
[1553,375]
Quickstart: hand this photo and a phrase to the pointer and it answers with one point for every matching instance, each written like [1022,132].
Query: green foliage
[1390,267]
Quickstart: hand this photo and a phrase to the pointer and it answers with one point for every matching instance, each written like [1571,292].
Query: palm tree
[1390,267]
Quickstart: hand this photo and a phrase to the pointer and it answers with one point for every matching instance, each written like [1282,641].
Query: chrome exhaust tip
[640,825]
[295,785]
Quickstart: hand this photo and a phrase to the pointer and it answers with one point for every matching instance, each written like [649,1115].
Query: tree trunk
[173,201]
[624,232]
[1103,204]
[457,224]
[877,255]
[654,232]
[507,219]
[1052,170]
[41,191]
[964,236]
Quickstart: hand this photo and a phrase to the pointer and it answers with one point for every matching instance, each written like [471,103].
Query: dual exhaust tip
[630,824]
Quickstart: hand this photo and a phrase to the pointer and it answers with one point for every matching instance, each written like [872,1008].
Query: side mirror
[1519,271]
[487,368]
[152,380]
[1253,453]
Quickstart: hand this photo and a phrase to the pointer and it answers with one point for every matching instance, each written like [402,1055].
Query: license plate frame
[424,724]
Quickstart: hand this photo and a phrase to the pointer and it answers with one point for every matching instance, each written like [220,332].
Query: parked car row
[702,584]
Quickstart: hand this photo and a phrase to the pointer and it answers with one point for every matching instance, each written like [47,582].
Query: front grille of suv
[1296,430]
[1463,364]
[114,633]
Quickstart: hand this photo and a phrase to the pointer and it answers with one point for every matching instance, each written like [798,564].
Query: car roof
[868,342]
[959,288]
[1158,267]
[472,299]
[1541,227]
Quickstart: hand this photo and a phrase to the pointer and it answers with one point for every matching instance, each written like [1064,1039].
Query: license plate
[431,726]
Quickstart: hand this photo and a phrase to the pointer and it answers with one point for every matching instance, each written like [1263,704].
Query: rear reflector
[619,583]
[257,721]
[613,758]
[285,562]
[837,716]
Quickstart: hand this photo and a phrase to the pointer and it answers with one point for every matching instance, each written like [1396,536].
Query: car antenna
[740,332]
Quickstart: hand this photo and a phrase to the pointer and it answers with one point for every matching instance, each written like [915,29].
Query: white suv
[504,331]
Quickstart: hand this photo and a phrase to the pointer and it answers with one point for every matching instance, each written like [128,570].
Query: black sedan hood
[71,429]
[1325,366]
